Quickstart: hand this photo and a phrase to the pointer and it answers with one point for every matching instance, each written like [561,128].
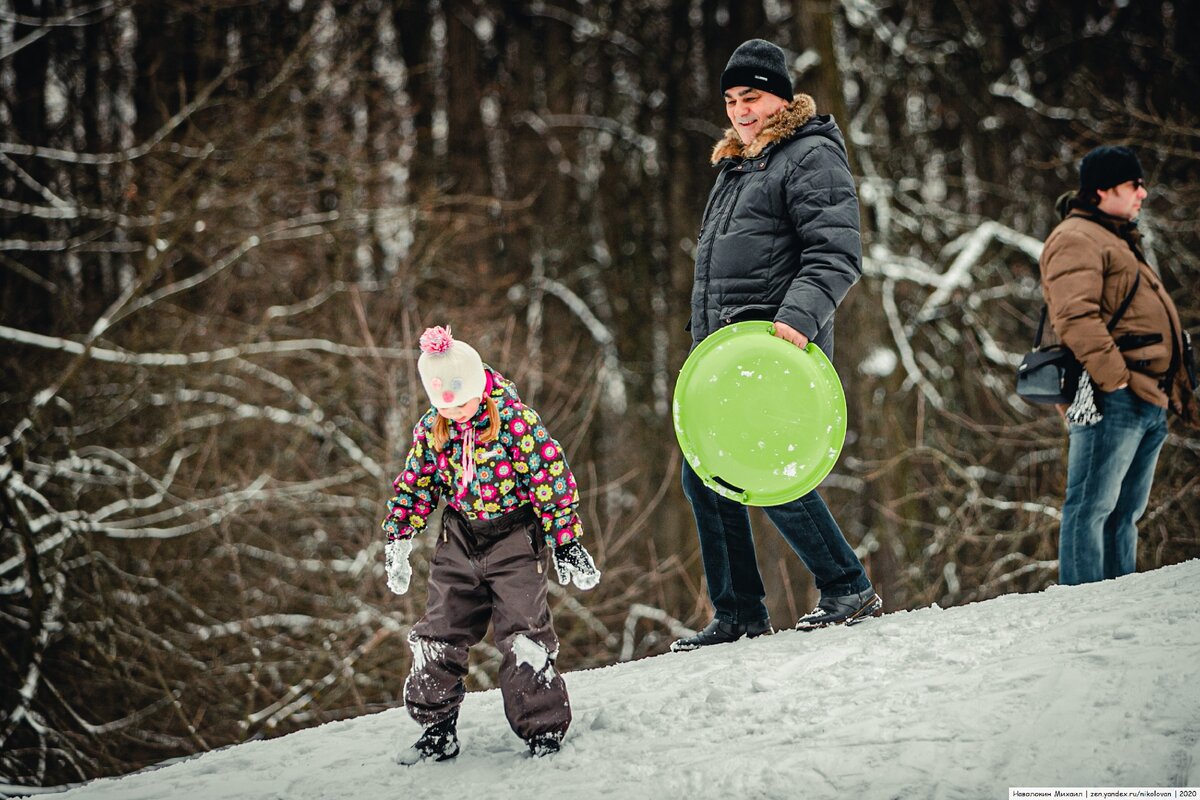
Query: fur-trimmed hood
[780,126]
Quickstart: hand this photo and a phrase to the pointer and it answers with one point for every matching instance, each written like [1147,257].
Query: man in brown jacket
[1091,263]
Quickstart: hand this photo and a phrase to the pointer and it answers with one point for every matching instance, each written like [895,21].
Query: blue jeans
[1110,466]
[727,549]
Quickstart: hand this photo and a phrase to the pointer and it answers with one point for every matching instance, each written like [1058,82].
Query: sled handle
[729,490]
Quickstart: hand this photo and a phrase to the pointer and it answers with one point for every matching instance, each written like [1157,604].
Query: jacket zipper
[728,210]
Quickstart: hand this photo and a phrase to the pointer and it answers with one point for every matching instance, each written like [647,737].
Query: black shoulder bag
[1051,374]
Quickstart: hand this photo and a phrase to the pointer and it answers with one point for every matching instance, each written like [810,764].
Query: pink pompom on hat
[451,371]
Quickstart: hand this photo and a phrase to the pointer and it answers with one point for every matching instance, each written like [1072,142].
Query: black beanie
[760,64]
[1108,166]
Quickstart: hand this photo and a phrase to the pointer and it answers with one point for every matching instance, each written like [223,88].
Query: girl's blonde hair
[441,428]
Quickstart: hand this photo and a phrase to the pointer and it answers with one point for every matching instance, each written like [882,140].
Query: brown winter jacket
[1088,266]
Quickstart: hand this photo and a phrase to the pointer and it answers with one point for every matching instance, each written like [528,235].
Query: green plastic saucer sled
[761,421]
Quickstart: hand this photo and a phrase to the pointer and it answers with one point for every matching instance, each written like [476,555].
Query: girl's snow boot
[544,744]
[439,742]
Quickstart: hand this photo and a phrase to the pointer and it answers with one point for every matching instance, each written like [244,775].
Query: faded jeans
[727,549]
[1110,467]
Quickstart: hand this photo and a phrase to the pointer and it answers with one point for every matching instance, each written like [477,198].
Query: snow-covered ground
[1091,686]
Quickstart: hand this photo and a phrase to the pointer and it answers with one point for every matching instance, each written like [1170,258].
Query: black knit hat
[1108,166]
[760,64]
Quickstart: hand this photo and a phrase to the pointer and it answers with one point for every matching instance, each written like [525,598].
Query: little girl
[508,493]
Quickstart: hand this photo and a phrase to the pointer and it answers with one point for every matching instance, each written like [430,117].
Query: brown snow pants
[489,570]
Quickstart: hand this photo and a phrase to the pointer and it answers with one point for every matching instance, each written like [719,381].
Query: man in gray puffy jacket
[779,241]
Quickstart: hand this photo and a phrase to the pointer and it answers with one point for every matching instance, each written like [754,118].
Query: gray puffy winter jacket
[780,236]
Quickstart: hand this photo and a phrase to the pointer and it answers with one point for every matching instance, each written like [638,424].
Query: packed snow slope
[1090,686]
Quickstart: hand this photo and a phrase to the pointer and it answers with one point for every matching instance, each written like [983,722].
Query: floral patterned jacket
[524,464]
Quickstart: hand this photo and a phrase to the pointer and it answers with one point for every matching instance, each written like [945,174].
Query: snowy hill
[1092,686]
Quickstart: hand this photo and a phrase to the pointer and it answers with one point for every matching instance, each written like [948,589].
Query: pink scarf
[468,455]
[467,474]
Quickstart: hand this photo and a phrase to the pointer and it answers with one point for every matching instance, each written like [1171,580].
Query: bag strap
[1112,323]
[1037,340]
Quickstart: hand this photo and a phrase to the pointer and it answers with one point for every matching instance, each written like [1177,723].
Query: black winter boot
[718,632]
[544,744]
[439,742]
[848,609]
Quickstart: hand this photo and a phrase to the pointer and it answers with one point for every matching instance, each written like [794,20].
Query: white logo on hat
[761,78]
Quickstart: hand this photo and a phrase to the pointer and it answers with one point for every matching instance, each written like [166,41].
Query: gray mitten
[574,564]
[399,571]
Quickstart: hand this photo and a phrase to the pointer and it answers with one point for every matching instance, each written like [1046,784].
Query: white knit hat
[451,371]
